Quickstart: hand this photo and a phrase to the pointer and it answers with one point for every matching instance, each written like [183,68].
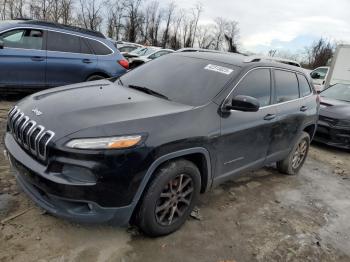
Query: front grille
[329,120]
[31,136]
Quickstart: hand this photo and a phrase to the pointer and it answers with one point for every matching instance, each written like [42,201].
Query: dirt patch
[263,216]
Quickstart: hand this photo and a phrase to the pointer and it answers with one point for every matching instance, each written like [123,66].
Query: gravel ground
[262,216]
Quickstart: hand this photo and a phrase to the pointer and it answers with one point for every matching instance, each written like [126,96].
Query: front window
[23,38]
[182,79]
[338,91]
[256,84]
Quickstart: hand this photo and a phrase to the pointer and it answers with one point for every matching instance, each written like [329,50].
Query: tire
[296,158]
[94,78]
[161,215]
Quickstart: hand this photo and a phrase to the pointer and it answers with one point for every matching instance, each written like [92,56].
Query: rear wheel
[170,198]
[296,158]
[95,77]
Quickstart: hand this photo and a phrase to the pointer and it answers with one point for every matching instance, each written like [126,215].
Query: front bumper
[50,193]
[333,135]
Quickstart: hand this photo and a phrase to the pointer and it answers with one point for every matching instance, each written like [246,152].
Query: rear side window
[256,84]
[304,86]
[62,42]
[99,48]
[286,86]
[23,38]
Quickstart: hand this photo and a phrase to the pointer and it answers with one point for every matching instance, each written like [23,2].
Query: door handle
[270,117]
[87,61]
[303,108]
[37,58]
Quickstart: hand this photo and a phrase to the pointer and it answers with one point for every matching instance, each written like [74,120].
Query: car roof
[56,26]
[238,60]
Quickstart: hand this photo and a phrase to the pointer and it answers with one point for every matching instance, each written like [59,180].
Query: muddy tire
[296,158]
[170,198]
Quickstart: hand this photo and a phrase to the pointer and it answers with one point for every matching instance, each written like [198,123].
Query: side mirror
[244,103]
[315,75]
[1,44]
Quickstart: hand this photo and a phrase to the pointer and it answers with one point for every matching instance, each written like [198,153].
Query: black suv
[141,148]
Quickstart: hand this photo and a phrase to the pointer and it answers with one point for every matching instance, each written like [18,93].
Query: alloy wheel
[174,200]
[299,154]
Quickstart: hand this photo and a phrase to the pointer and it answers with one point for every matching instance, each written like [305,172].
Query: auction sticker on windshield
[219,69]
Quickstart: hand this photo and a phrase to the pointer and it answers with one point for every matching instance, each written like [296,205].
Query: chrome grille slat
[33,137]
[21,131]
[27,135]
[36,139]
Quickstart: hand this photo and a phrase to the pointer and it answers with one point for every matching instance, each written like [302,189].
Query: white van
[339,72]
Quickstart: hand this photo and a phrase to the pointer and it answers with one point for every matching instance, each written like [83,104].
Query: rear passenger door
[69,59]
[289,114]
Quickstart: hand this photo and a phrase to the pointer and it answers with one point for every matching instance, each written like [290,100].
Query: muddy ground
[263,216]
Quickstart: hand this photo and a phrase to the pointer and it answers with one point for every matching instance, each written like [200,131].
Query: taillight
[124,63]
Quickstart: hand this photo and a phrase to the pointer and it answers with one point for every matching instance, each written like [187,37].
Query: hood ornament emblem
[36,111]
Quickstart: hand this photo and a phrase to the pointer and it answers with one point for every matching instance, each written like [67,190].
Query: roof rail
[65,27]
[251,59]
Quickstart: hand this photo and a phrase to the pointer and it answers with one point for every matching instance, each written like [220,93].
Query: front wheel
[170,198]
[296,158]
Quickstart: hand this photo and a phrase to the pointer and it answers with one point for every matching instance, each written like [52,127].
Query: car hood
[335,108]
[66,110]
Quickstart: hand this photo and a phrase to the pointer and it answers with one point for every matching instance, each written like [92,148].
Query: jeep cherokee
[142,147]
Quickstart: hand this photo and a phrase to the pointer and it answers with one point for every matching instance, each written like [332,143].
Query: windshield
[143,51]
[187,80]
[338,91]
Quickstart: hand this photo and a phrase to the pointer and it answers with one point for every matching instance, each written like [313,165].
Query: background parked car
[127,49]
[334,121]
[37,55]
[146,54]
[319,76]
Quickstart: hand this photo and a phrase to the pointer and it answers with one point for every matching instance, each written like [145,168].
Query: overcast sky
[280,24]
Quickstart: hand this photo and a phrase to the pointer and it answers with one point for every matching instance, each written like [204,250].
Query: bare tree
[90,14]
[175,41]
[168,19]
[220,25]
[231,35]
[67,11]
[205,36]
[196,14]
[272,52]
[319,53]
[133,19]
[114,20]
[154,22]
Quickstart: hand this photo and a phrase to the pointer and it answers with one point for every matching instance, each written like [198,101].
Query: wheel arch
[98,73]
[310,129]
[198,155]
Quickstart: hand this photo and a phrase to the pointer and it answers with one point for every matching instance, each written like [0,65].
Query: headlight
[105,142]
[343,123]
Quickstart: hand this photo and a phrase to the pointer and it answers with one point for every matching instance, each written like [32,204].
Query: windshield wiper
[148,91]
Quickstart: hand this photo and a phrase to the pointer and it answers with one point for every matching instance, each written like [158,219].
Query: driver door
[23,58]
[245,136]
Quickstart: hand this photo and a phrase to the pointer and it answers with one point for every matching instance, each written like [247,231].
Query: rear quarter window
[99,48]
[286,84]
[304,86]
